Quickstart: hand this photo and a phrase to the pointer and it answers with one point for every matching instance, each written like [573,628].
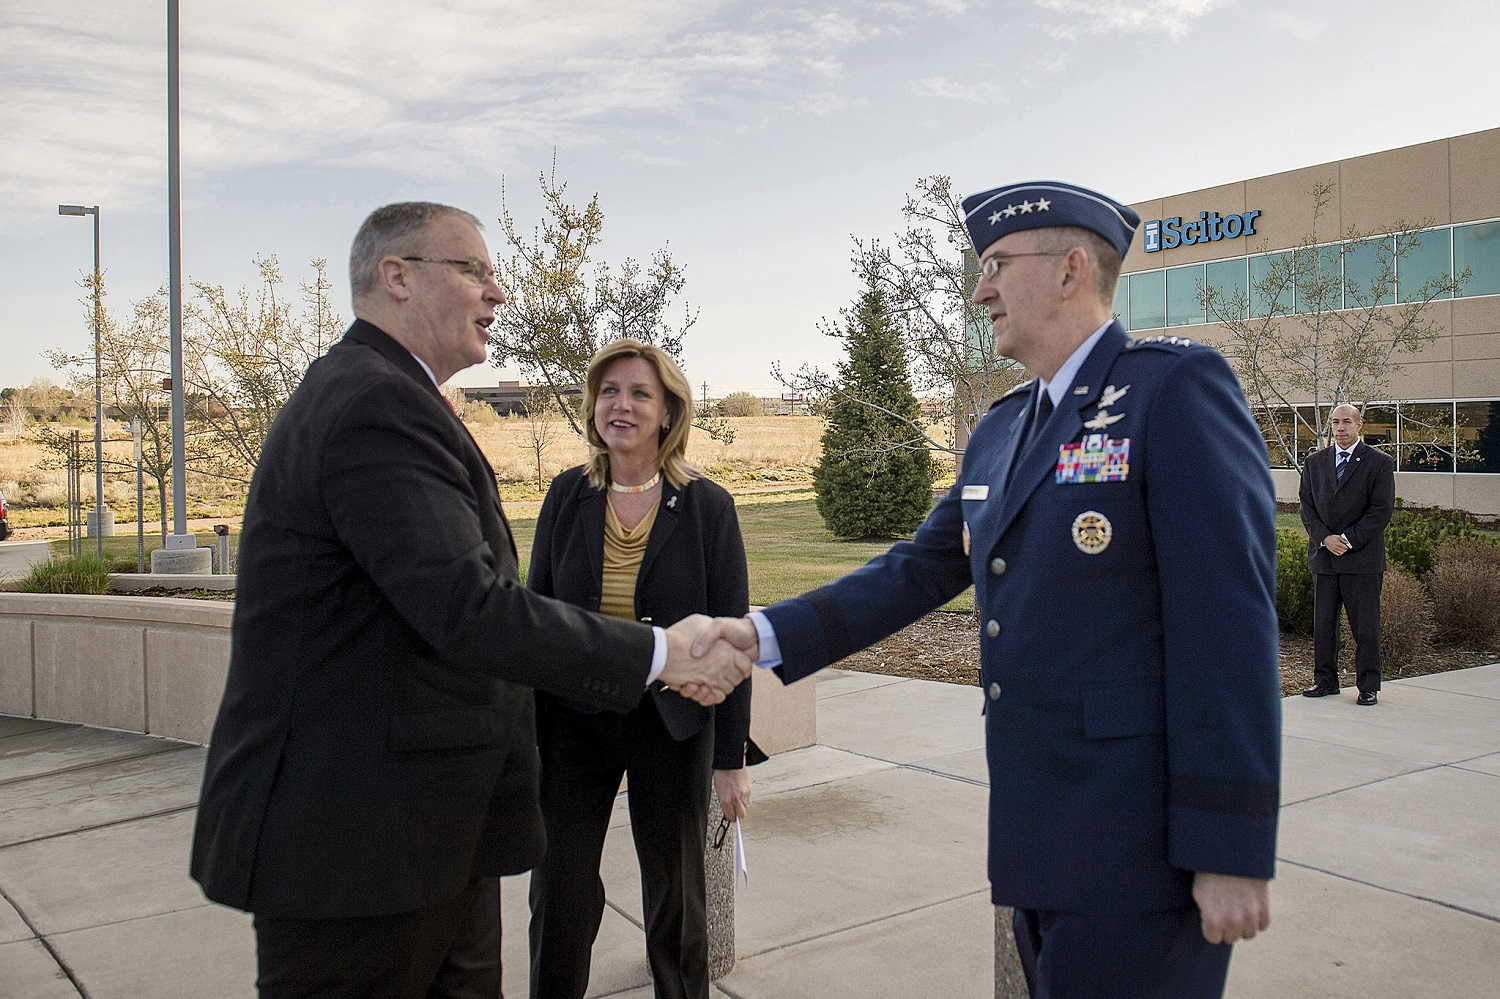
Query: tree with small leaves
[559,312]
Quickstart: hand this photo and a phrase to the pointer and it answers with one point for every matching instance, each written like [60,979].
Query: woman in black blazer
[636,532]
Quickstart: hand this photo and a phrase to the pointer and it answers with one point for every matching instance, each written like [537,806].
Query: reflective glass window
[1370,273]
[1379,429]
[1426,443]
[1479,436]
[1422,257]
[1477,247]
[1320,279]
[1148,301]
[1278,430]
[1122,300]
[1271,280]
[1184,284]
[1229,280]
[1307,431]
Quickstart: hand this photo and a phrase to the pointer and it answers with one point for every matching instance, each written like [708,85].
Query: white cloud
[1170,17]
[437,89]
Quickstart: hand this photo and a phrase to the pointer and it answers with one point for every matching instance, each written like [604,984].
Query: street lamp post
[98,384]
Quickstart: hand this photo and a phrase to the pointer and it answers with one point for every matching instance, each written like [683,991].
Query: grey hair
[1103,255]
[392,230]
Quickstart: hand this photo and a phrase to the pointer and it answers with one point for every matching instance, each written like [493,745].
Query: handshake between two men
[707,657]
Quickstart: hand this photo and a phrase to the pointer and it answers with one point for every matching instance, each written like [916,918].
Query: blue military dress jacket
[1125,589]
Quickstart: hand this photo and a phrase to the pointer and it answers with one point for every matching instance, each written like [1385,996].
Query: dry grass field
[768,452]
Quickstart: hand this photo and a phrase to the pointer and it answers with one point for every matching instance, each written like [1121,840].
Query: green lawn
[788,548]
[122,546]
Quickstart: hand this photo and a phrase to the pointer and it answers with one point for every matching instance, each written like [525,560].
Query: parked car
[4,520]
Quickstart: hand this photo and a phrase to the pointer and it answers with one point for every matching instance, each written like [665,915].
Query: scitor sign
[1209,227]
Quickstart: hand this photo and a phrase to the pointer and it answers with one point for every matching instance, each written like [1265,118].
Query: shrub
[741,404]
[73,575]
[1414,533]
[1294,582]
[1406,620]
[1465,587]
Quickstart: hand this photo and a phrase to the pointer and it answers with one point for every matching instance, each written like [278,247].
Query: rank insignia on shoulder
[1091,532]
[1096,458]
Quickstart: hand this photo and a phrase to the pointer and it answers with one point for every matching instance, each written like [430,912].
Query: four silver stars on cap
[1024,208]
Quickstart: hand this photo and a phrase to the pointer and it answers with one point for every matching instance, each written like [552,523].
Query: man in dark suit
[1117,521]
[1348,493]
[373,768]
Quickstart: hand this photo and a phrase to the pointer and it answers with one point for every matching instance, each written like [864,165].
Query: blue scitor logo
[1209,227]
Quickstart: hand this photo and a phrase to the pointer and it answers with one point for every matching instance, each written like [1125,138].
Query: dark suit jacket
[376,747]
[1133,722]
[1359,508]
[694,564]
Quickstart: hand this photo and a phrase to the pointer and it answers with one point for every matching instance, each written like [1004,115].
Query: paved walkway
[865,852]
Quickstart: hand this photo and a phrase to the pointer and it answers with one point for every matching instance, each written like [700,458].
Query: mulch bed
[944,646]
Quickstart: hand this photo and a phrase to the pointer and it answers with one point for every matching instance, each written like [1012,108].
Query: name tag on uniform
[976,492]
[1096,458]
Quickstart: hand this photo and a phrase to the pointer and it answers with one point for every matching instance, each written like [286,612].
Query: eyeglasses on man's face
[990,266]
[478,271]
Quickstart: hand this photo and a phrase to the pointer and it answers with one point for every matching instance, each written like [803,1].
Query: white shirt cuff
[658,655]
[770,648]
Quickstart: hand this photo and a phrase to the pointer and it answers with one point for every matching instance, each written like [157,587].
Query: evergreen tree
[875,477]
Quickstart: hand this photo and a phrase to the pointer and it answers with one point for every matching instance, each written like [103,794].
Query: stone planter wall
[156,665]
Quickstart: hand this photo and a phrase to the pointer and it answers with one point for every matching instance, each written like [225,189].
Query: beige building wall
[1446,182]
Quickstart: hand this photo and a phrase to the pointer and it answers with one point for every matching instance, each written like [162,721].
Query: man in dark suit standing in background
[1348,494]
[373,767]
[1116,518]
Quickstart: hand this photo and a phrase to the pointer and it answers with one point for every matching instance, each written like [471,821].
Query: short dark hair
[392,230]
[1101,253]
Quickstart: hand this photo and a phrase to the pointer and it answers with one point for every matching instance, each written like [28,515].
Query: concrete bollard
[1010,979]
[97,526]
[182,561]
[718,869]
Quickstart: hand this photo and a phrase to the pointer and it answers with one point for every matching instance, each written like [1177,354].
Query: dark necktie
[1043,410]
[1343,463]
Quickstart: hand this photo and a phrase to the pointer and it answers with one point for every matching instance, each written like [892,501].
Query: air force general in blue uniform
[1117,522]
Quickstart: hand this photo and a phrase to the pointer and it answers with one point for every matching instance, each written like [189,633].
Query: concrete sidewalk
[866,858]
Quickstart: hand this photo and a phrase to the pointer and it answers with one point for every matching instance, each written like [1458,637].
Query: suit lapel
[591,504]
[666,522]
[1067,420]
[374,337]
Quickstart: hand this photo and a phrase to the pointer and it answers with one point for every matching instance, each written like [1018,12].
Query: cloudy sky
[752,137]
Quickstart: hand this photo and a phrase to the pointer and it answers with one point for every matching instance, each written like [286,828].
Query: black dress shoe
[1366,698]
[1316,691]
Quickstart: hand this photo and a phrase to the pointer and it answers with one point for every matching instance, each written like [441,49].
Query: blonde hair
[671,453]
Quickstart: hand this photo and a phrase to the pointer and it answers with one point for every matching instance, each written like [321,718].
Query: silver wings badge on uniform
[1102,420]
[1111,395]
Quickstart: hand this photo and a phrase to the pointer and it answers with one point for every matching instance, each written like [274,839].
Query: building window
[1148,301]
[1423,258]
[1271,281]
[1122,300]
[1183,287]
[1370,273]
[1229,280]
[1477,247]
[1425,437]
[1319,285]
[1479,436]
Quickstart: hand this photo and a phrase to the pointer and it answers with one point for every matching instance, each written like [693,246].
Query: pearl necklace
[616,487]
